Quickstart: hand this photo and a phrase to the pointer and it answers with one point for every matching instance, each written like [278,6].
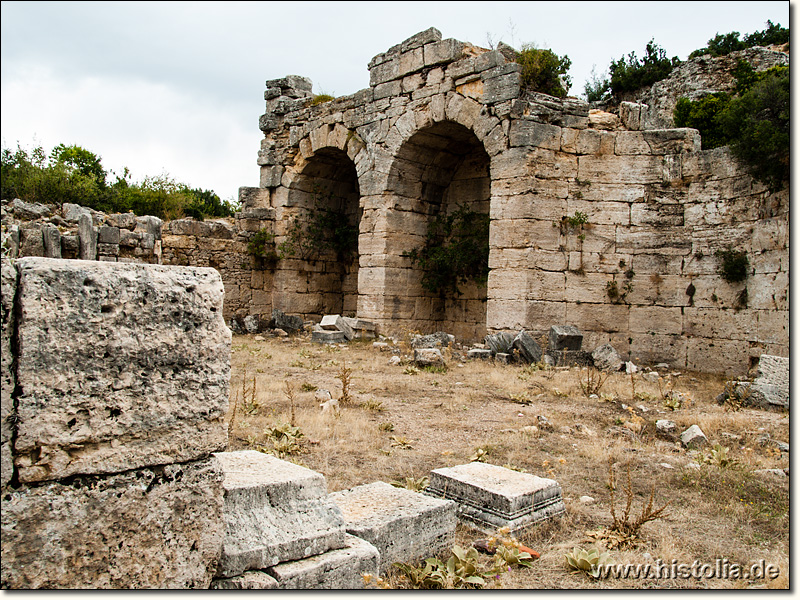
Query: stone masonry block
[339,569]
[157,527]
[7,375]
[275,512]
[403,525]
[490,497]
[565,337]
[120,366]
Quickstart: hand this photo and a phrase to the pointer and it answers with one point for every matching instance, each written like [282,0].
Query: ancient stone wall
[597,220]
[115,385]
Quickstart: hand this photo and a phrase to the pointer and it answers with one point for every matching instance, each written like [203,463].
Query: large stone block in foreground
[275,511]
[403,525]
[490,497]
[120,366]
[8,289]
[156,527]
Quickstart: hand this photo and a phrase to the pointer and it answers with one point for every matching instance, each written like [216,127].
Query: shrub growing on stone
[629,74]
[544,71]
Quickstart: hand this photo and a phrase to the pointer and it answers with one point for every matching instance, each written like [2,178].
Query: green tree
[631,73]
[720,44]
[702,115]
[757,122]
[544,71]
[80,159]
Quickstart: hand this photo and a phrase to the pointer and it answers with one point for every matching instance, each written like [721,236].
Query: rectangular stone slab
[339,569]
[496,495]
[404,526]
[275,511]
[120,366]
[157,527]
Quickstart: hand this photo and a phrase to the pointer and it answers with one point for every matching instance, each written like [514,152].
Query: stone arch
[317,230]
[438,168]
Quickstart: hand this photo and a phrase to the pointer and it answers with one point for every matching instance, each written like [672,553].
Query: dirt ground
[398,422]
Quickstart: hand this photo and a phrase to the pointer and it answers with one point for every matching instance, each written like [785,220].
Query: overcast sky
[177,87]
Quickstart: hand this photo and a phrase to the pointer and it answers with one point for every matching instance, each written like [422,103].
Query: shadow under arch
[317,237]
[437,171]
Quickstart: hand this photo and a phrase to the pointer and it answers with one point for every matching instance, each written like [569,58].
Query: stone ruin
[115,384]
[608,220]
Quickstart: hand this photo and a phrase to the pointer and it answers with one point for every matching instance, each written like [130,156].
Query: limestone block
[403,525]
[723,323]
[157,527]
[633,115]
[479,354]
[529,350]
[72,212]
[120,366]
[564,337]
[656,319]
[490,497]
[501,83]
[654,348]
[773,327]
[51,238]
[275,511]
[31,240]
[609,318]
[327,337]
[8,289]
[693,438]
[501,343]
[107,235]
[606,358]
[249,580]
[444,51]
[428,357]
[531,133]
[731,357]
[385,71]
[621,169]
[339,569]
[149,224]
[771,385]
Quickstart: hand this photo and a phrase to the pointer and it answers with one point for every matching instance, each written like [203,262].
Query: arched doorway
[318,237]
[440,182]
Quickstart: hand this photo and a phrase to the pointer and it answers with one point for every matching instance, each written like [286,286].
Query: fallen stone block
[440,339]
[527,347]
[404,526]
[479,354]
[500,343]
[249,580]
[275,511]
[428,357]
[564,337]
[339,569]
[120,366]
[693,438]
[491,497]
[571,358]
[328,323]
[606,358]
[157,527]
[771,385]
[289,323]
[323,336]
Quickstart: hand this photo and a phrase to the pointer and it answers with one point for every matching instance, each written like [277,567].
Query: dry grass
[398,424]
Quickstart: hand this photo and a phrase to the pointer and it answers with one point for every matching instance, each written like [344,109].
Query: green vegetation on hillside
[721,45]
[754,121]
[544,71]
[630,73]
[74,174]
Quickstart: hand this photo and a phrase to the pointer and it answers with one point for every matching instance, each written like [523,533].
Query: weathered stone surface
[490,497]
[564,337]
[120,366]
[606,358]
[290,323]
[158,527]
[275,511]
[479,354]
[666,426]
[323,336]
[501,343]
[528,348]
[8,289]
[404,526]
[428,357]
[339,569]
[249,580]
[440,339]
[771,385]
[693,438]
